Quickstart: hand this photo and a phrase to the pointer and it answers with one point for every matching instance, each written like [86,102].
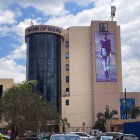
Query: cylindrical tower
[44,61]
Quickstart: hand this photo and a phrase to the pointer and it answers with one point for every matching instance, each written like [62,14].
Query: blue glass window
[67,79]
[67,55]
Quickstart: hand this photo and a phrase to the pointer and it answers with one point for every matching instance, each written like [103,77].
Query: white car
[84,136]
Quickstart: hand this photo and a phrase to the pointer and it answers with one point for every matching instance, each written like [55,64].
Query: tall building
[44,61]
[78,68]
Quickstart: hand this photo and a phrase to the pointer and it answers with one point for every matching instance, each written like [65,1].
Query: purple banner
[105,57]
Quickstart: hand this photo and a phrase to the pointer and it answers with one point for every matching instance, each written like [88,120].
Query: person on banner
[105,54]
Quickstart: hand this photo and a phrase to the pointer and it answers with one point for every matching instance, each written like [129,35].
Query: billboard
[130,102]
[105,57]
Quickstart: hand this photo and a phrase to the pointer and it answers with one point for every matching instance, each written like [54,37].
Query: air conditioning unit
[67,93]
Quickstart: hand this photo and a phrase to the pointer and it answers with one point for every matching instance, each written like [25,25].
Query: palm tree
[134,112]
[107,114]
[102,117]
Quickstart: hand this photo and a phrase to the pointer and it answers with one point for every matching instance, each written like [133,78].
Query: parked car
[67,136]
[83,135]
[32,136]
[4,137]
[43,136]
[38,136]
[116,136]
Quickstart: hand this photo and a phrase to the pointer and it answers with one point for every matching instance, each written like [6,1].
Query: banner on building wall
[105,57]
[126,105]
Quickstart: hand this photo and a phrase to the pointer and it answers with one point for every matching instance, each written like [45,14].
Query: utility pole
[125,104]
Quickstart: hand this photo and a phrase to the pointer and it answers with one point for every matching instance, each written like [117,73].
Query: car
[43,136]
[116,136]
[83,135]
[64,136]
[37,136]
[32,136]
[4,137]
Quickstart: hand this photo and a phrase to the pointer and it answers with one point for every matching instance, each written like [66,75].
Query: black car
[32,136]
[116,136]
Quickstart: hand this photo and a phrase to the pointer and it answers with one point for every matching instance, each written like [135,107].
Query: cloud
[7,17]
[131,79]
[9,69]
[47,7]
[18,53]
[81,2]
[20,28]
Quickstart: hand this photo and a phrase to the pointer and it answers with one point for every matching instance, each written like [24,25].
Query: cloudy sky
[16,15]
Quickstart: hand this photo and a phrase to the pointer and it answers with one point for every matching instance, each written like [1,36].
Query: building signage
[103,27]
[43,29]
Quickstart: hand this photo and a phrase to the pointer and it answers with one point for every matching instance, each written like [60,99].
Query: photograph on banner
[105,57]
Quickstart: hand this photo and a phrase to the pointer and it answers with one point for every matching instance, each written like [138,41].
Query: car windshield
[65,137]
[130,138]
[106,138]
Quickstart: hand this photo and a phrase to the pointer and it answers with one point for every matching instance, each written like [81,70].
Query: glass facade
[44,65]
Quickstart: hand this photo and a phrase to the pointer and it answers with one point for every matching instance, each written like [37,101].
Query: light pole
[125,104]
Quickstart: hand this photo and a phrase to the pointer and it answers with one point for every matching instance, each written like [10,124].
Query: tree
[102,117]
[107,114]
[65,123]
[134,112]
[24,110]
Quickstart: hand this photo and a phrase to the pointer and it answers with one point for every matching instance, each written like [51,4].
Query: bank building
[75,69]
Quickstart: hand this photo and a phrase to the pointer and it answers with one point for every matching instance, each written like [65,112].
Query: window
[67,79]
[67,91]
[67,55]
[67,101]
[67,67]
[67,44]
[1,90]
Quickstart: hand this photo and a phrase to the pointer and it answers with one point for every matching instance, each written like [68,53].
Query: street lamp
[125,104]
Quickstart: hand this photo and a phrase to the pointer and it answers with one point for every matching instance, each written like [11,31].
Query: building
[5,83]
[72,69]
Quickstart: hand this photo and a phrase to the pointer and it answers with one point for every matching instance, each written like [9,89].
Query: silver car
[83,135]
[64,137]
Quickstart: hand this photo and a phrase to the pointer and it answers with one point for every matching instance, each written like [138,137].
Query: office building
[75,70]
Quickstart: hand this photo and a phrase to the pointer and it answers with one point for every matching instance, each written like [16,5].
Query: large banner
[105,57]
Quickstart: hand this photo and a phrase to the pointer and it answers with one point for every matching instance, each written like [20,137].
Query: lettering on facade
[43,29]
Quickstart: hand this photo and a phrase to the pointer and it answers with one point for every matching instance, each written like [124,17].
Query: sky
[16,15]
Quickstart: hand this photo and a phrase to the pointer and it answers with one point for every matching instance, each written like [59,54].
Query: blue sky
[16,15]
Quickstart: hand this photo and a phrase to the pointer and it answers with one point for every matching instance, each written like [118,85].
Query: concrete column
[83,126]
[60,127]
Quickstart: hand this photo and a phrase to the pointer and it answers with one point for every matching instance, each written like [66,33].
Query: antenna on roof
[113,11]
[31,23]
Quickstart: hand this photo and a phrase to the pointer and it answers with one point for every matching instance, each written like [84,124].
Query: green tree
[107,114]
[24,110]
[102,117]
[134,112]
[65,123]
